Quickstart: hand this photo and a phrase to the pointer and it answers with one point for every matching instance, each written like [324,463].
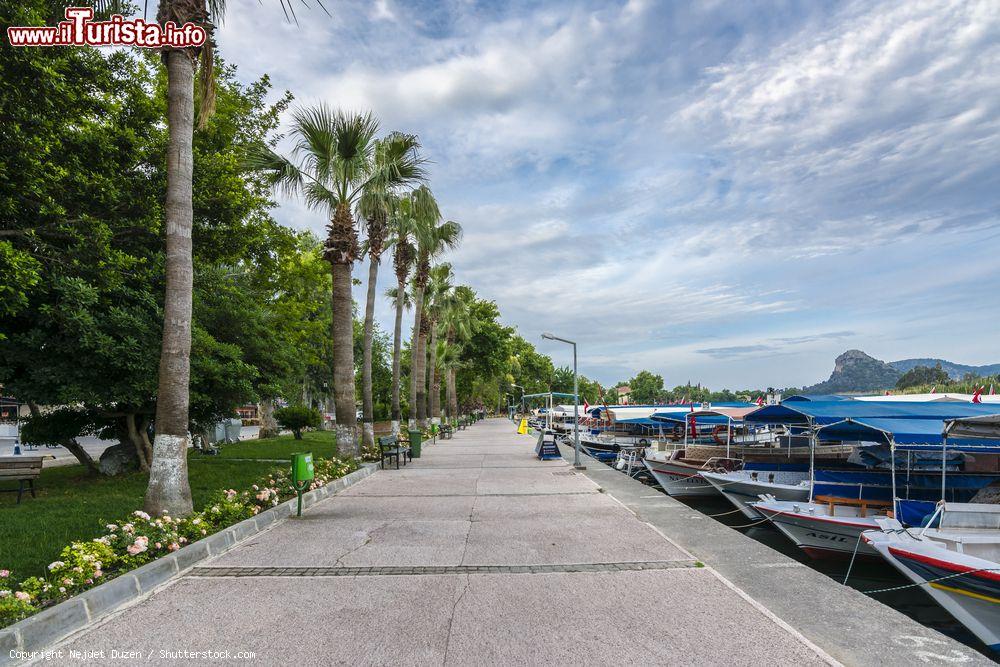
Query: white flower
[4,594]
[141,515]
[55,564]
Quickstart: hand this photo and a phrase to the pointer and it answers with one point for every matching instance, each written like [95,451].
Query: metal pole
[944,458]
[576,415]
[812,458]
[729,431]
[892,464]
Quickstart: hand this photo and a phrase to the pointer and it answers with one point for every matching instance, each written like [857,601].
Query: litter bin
[416,437]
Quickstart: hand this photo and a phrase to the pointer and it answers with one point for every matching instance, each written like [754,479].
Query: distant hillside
[855,371]
[954,371]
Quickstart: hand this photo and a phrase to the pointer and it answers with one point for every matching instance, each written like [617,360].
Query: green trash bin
[416,438]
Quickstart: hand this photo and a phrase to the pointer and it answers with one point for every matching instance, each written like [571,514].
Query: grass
[322,444]
[72,506]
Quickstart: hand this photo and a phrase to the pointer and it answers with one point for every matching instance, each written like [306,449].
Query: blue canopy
[908,434]
[829,412]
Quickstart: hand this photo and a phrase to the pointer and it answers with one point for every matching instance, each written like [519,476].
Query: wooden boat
[956,563]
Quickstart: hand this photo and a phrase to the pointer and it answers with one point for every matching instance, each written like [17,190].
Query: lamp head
[548,336]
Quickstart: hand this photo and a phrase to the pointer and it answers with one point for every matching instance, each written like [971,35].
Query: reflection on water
[865,575]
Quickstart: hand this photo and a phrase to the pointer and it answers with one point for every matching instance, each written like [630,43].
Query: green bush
[297,417]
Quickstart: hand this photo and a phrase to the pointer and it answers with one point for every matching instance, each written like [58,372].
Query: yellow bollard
[522,428]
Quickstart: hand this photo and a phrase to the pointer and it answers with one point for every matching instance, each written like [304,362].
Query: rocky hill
[954,371]
[855,371]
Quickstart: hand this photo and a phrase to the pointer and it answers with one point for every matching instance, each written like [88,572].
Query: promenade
[477,553]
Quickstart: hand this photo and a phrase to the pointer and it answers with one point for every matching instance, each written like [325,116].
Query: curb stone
[50,626]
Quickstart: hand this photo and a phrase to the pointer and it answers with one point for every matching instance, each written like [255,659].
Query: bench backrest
[387,441]
[20,467]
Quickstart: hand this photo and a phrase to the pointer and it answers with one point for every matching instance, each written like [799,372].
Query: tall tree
[402,258]
[333,163]
[377,204]
[433,236]
[439,291]
[456,324]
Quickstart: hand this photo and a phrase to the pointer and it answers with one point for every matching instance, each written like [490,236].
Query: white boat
[743,488]
[827,527]
[681,477]
[957,563]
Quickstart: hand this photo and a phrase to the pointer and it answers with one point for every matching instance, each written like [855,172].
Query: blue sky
[725,192]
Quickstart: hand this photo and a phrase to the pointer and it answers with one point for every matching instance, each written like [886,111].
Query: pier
[479,553]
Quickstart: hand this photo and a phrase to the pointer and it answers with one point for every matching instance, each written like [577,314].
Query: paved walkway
[478,553]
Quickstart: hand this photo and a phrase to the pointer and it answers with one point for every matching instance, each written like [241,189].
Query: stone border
[845,623]
[52,625]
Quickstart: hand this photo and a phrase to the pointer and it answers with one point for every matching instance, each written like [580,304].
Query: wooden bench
[447,431]
[862,504]
[22,469]
[392,448]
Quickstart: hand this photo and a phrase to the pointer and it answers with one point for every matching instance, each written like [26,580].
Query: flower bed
[139,538]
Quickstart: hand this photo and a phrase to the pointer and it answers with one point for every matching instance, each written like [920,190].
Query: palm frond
[280,172]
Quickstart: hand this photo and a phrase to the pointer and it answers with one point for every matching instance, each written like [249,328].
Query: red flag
[977,397]
[694,424]
[934,389]
[888,393]
[992,393]
[759,401]
[586,405]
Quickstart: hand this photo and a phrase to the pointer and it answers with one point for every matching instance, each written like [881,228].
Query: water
[865,575]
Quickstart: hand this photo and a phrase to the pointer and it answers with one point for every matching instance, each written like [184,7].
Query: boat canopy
[982,426]
[727,414]
[829,412]
[907,434]
[927,398]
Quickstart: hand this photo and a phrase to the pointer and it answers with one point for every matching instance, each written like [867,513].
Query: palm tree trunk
[418,366]
[169,490]
[452,393]
[397,357]
[368,420]
[434,382]
[343,359]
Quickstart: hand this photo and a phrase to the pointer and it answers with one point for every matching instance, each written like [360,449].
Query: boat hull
[970,592]
[744,492]
[819,535]
[678,479]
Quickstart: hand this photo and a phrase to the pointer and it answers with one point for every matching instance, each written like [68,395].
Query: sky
[730,193]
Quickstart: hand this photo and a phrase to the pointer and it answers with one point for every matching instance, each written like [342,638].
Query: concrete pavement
[475,554]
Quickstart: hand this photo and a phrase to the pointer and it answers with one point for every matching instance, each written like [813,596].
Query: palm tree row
[339,166]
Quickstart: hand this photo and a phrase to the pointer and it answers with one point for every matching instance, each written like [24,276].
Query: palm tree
[335,161]
[376,206]
[401,300]
[433,237]
[456,324]
[438,293]
[168,489]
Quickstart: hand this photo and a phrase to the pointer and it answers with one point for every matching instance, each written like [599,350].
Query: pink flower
[141,515]
[173,546]
[159,546]
[90,581]
[22,596]
[68,581]
[4,574]
[98,574]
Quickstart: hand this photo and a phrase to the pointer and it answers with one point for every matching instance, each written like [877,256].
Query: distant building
[624,395]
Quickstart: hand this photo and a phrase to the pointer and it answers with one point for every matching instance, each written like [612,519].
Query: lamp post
[576,403]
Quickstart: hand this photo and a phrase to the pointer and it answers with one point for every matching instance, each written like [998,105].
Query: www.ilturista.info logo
[79,30]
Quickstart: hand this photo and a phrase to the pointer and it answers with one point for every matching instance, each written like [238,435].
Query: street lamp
[576,403]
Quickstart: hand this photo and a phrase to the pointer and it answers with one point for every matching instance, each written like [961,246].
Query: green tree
[334,161]
[923,375]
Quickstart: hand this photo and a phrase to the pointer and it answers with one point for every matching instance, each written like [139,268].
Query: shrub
[298,417]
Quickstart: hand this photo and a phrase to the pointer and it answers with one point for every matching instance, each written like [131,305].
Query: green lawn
[71,506]
[323,444]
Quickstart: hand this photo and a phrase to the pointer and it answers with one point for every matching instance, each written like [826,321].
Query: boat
[679,476]
[955,557]
[956,563]
[827,527]
[744,487]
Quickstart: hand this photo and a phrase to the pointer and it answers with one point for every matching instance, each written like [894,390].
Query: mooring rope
[931,581]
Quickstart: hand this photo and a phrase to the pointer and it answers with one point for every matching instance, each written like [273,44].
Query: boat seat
[861,503]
